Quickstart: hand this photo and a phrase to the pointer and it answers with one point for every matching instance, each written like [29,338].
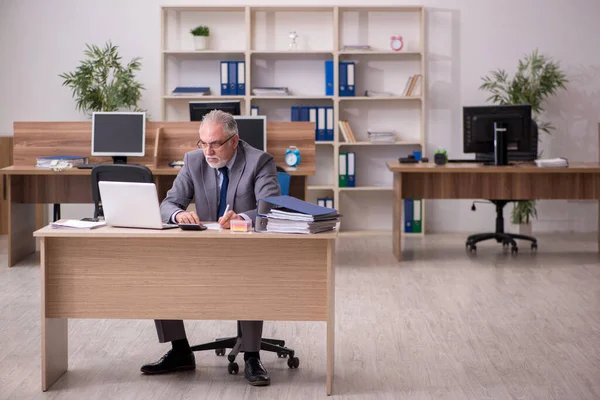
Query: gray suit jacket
[253,176]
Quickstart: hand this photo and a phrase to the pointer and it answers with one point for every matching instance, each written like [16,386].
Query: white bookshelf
[259,36]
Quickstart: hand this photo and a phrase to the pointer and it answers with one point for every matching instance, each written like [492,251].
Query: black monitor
[118,135]
[198,109]
[500,133]
[253,130]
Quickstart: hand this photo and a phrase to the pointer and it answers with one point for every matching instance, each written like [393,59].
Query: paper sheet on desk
[213,227]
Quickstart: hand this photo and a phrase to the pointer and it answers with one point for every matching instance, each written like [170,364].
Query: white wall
[466,39]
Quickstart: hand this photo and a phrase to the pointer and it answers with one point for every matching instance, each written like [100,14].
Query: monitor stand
[500,144]
[119,159]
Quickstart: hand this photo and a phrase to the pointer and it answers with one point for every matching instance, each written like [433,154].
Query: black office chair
[499,235]
[118,173]
[234,343]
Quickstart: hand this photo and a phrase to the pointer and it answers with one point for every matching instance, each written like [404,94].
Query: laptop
[131,205]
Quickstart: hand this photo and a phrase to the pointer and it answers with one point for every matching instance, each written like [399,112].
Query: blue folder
[289,203]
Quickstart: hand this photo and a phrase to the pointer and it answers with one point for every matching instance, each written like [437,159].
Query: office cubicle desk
[27,185]
[579,181]
[113,273]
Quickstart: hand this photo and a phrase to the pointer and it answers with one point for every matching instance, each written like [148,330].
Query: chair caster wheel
[233,368]
[514,250]
[293,362]
[505,244]
[472,248]
[533,246]
[220,352]
[281,354]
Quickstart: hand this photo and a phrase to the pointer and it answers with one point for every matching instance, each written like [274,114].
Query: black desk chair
[499,235]
[117,173]
[234,343]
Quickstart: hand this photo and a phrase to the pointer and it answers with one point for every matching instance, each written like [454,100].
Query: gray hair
[222,118]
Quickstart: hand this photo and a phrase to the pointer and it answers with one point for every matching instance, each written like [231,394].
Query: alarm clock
[396,43]
[292,156]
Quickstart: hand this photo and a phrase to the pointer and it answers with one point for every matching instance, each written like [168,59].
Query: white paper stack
[77,224]
[270,91]
[552,163]
[382,137]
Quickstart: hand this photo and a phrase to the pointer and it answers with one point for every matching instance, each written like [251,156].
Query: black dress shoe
[255,373]
[171,362]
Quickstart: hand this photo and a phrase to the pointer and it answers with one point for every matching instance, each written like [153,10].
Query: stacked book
[270,91]
[190,91]
[382,137]
[286,214]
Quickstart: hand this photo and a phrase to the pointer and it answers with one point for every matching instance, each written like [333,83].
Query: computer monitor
[198,109]
[253,130]
[119,135]
[500,133]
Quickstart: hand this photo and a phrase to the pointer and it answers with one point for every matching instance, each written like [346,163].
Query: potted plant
[102,83]
[537,78]
[201,34]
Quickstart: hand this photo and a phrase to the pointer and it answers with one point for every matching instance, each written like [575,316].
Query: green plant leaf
[537,77]
[102,83]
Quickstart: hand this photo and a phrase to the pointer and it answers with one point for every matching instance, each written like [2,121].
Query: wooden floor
[441,325]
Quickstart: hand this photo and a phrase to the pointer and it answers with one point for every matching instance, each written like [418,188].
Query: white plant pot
[525,229]
[200,42]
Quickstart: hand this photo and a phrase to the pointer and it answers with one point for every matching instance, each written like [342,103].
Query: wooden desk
[27,185]
[96,274]
[580,181]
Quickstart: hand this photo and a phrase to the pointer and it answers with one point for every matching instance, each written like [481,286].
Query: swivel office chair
[507,239]
[118,173]
[234,343]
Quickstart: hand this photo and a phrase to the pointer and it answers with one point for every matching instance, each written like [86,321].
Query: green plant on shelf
[102,83]
[537,78]
[200,30]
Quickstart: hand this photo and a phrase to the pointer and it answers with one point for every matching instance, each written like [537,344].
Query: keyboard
[86,166]
[469,160]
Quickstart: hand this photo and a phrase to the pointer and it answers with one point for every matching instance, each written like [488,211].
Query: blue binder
[350,78]
[329,123]
[329,78]
[289,203]
[321,123]
[304,114]
[232,77]
[241,78]
[295,114]
[408,215]
[343,70]
[224,78]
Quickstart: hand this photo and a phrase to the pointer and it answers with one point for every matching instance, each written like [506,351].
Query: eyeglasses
[213,145]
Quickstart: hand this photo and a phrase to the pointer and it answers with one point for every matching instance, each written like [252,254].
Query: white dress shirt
[229,165]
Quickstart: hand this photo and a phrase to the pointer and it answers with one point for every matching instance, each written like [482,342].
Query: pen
[226,209]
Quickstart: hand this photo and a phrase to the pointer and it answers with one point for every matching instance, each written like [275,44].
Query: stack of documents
[286,214]
[50,161]
[553,163]
[190,91]
[77,224]
[270,91]
[382,137]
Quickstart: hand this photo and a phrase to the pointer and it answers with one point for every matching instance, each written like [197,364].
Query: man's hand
[224,220]
[186,217]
